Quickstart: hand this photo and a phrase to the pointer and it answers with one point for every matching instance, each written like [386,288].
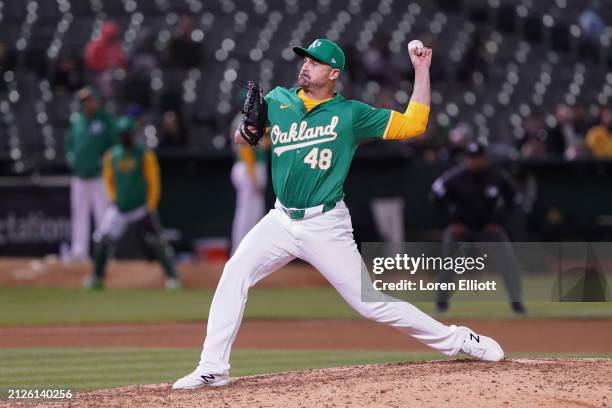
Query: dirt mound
[513,383]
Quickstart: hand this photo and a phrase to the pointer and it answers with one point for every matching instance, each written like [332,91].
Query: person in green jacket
[91,133]
[132,183]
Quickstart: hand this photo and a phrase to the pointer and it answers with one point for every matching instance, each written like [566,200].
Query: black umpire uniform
[475,195]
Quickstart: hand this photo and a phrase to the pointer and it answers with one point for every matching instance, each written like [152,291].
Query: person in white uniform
[91,133]
[249,177]
[314,133]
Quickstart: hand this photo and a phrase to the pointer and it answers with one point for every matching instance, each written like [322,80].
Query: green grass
[86,368]
[65,306]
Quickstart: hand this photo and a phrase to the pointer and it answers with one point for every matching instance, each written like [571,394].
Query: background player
[250,177]
[90,134]
[314,133]
[132,181]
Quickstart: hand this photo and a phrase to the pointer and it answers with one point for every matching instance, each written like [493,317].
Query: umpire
[132,181]
[475,195]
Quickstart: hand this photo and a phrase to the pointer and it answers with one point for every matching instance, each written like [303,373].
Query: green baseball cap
[325,51]
[125,124]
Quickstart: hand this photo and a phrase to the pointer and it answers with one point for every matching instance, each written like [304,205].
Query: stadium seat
[529,49]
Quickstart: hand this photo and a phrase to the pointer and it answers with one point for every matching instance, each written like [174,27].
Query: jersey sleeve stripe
[388,124]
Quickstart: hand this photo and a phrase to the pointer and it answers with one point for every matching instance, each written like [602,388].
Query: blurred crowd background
[530,79]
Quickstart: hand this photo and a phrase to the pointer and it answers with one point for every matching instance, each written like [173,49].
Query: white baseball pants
[326,242]
[250,200]
[389,218]
[115,222]
[86,196]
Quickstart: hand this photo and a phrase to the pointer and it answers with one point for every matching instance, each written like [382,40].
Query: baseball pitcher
[132,181]
[314,133]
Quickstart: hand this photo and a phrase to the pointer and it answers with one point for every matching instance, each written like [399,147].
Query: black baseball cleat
[441,307]
[518,308]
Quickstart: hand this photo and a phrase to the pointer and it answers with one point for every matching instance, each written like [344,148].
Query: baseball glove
[254,113]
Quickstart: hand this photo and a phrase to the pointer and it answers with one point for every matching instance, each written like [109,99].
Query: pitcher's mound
[455,383]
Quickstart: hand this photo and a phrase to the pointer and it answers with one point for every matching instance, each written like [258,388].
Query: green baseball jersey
[312,151]
[86,142]
[125,173]
[261,155]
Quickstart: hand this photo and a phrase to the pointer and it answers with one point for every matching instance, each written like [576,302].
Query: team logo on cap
[315,44]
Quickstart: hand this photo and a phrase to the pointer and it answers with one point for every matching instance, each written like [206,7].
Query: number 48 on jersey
[316,159]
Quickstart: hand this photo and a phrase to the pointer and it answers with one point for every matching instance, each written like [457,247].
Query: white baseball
[415,45]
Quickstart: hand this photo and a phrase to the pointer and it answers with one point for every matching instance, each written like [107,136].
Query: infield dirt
[513,383]
[458,383]
[525,335]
